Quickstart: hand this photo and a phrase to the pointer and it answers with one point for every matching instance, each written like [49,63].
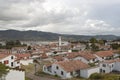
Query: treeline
[11,44]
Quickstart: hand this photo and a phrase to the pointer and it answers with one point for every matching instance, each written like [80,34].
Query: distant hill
[47,36]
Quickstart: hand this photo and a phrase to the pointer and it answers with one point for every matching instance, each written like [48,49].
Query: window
[62,73]
[100,70]
[18,62]
[104,65]
[11,57]
[11,63]
[6,62]
[103,71]
[71,73]
[57,67]
[112,65]
[55,72]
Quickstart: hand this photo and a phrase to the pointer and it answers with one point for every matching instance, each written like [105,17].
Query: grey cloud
[71,16]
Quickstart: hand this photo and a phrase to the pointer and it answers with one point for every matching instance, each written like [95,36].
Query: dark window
[57,67]
[55,72]
[71,73]
[62,73]
[11,57]
[112,65]
[103,71]
[18,62]
[11,63]
[100,70]
[104,65]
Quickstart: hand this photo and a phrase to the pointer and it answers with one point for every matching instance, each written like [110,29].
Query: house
[16,50]
[108,66]
[24,58]
[58,58]
[70,68]
[9,60]
[104,55]
[85,57]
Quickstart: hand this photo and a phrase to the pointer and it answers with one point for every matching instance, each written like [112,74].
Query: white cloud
[60,16]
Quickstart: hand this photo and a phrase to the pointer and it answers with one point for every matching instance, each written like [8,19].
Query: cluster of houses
[78,64]
[14,59]
[63,61]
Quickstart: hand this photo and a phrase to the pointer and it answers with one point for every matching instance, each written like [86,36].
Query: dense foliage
[10,44]
[3,70]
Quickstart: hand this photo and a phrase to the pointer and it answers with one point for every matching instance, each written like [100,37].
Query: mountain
[47,36]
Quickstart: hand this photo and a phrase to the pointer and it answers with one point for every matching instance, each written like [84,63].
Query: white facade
[26,62]
[55,69]
[85,73]
[109,67]
[15,75]
[10,61]
[106,68]
[117,66]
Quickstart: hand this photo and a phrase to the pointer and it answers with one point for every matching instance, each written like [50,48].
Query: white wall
[85,73]
[26,62]
[58,72]
[117,66]
[10,61]
[15,75]
[108,67]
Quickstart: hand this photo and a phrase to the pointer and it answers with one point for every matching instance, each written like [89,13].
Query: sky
[80,17]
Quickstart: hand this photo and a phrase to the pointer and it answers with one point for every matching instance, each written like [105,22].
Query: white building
[24,59]
[9,60]
[84,57]
[69,69]
[104,55]
[109,66]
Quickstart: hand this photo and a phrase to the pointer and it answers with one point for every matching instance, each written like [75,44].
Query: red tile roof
[86,55]
[104,53]
[3,55]
[73,65]
[22,56]
[58,58]
[112,61]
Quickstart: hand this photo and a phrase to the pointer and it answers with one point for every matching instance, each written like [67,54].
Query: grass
[28,68]
[26,78]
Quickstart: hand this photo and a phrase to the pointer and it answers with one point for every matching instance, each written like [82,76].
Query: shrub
[96,76]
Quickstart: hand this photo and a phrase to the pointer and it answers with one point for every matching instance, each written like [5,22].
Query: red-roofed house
[24,59]
[70,68]
[108,66]
[104,55]
[9,60]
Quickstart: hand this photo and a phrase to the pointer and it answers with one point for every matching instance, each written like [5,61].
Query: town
[57,60]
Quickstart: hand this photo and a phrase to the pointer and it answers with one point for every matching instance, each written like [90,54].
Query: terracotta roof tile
[3,55]
[73,65]
[104,53]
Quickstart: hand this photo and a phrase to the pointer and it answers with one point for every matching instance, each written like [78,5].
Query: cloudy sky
[82,17]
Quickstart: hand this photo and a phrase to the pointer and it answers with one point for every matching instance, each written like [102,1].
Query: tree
[18,43]
[29,48]
[94,47]
[3,70]
[93,40]
[115,46]
[101,42]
